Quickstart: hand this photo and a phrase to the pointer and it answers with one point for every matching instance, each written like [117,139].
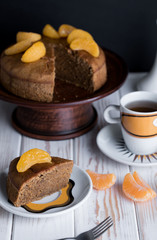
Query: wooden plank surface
[132,221]
[10,142]
[104,203]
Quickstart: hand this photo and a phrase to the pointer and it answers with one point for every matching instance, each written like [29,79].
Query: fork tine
[100,224]
[104,230]
[102,227]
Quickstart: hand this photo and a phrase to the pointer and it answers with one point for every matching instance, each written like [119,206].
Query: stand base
[56,123]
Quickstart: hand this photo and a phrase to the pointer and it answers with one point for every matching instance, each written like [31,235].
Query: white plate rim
[112,156]
[15,210]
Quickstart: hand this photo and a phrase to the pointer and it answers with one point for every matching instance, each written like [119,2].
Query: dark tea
[142,106]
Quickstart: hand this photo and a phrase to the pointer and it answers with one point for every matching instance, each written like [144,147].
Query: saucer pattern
[122,148]
[111,143]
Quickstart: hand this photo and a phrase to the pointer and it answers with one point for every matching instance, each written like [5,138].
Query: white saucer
[111,143]
[81,191]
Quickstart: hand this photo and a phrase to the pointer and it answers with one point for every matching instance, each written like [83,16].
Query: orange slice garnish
[142,183]
[88,45]
[135,188]
[101,181]
[78,33]
[18,47]
[65,29]
[32,157]
[50,32]
[34,53]
[33,37]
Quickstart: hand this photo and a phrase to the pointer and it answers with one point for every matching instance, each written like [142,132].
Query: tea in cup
[138,121]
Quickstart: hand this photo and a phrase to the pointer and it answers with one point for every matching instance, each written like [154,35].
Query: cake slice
[40,180]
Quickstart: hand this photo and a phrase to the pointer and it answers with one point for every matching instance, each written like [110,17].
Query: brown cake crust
[36,80]
[38,181]
[32,81]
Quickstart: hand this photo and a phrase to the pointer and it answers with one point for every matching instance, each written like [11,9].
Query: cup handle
[107,115]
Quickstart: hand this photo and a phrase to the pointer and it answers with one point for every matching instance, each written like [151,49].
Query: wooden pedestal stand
[71,113]
[54,124]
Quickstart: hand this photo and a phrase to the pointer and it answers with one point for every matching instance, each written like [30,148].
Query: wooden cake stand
[71,113]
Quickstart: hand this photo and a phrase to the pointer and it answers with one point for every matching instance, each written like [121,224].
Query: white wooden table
[133,221]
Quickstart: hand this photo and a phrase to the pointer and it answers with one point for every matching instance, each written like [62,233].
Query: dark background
[127,27]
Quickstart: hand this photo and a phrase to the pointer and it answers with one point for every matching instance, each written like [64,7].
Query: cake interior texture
[79,72]
[37,182]
[77,67]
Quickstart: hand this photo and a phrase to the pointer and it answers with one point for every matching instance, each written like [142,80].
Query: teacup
[138,120]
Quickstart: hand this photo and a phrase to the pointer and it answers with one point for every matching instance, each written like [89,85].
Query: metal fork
[94,232]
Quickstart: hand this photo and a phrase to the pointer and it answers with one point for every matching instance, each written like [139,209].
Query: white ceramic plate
[111,143]
[81,191]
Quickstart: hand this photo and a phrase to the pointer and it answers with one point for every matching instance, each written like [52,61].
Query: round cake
[36,80]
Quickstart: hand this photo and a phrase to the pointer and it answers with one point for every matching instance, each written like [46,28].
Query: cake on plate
[39,180]
[36,80]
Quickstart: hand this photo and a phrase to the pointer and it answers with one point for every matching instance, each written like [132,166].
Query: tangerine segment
[133,190]
[88,45]
[102,181]
[50,32]
[34,53]
[18,47]
[65,29]
[142,183]
[32,157]
[33,37]
[78,33]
